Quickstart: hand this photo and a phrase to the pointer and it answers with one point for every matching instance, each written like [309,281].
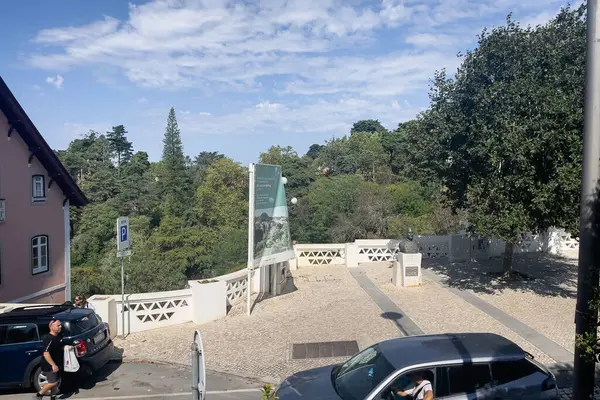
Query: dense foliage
[505,134]
[189,217]
[500,147]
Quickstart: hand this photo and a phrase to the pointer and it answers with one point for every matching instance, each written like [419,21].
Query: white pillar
[351,255]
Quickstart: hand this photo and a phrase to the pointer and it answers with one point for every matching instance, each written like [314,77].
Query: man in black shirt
[52,360]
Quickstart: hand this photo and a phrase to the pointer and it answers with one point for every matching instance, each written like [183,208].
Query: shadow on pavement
[74,384]
[548,275]
[290,287]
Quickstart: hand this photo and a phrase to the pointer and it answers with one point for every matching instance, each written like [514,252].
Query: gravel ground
[436,310]
[329,305]
[546,303]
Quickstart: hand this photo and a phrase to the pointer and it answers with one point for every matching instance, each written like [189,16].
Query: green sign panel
[272,241]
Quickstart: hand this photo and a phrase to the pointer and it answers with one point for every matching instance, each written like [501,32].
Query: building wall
[24,220]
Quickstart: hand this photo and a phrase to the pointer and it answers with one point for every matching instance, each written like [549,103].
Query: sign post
[250,238]
[198,368]
[123,251]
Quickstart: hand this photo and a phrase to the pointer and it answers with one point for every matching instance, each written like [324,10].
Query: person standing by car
[81,302]
[52,359]
[421,391]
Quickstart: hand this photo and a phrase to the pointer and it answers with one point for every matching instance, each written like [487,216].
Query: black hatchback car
[23,329]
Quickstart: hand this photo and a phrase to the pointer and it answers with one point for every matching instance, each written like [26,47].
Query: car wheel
[39,379]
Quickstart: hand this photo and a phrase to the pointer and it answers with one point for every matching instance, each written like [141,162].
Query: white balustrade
[144,311]
[377,250]
[433,246]
[320,254]
[237,284]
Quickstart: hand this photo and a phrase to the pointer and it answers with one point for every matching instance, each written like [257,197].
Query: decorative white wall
[146,311]
[320,254]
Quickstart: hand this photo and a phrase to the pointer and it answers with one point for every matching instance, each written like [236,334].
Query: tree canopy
[505,133]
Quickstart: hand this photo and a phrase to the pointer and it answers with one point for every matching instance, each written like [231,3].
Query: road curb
[258,380]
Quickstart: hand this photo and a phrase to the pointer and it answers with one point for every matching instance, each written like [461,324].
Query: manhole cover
[324,349]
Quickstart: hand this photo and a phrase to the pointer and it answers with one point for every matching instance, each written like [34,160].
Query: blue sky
[242,75]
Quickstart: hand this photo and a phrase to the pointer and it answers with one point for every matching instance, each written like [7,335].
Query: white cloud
[320,116]
[269,106]
[338,60]
[76,130]
[187,43]
[56,81]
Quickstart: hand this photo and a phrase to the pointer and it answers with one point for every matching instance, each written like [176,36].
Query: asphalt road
[125,381]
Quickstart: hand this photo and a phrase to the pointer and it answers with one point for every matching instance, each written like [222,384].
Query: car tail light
[549,384]
[107,328]
[80,348]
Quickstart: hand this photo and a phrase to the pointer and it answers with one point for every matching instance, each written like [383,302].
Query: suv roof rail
[42,309]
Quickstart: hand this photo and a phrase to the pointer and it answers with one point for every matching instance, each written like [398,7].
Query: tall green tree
[314,150]
[222,199]
[509,129]
[368,125]
[202,162]
[121,148]
[174,179]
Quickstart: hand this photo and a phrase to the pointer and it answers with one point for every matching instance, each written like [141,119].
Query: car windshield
[358,376]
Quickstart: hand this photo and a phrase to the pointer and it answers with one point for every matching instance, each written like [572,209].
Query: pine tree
[175,183]
[120,147]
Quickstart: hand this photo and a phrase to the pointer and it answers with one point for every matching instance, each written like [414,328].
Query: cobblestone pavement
[567,394]
[436,310]
[546,303]
[329,305]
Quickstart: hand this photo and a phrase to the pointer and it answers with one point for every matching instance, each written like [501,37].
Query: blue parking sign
[122,233]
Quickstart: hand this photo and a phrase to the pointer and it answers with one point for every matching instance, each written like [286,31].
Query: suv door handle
[31,351]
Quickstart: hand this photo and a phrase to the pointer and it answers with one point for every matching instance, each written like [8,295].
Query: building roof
[407,351]
[19,120]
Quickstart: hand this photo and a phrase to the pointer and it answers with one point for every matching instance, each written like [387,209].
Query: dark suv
[23,329]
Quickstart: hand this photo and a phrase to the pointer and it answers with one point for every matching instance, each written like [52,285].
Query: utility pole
[586,319]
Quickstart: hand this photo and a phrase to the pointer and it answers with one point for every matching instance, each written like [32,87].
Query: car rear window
[82,325]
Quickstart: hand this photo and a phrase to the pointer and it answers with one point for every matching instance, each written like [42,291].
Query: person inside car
[421,391]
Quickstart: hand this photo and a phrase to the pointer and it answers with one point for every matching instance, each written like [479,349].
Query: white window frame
[2,210]
[39,249]
[37,197]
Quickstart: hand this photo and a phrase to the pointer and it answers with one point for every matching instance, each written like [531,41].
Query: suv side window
[18,333]
[468,378]
[405,382]
[509,371]
[43,329]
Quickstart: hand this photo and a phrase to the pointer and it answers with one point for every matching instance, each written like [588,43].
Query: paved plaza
[327,305]
[334,303]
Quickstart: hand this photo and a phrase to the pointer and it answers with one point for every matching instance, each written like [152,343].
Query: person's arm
[47,356]
[427,391]
[404,393]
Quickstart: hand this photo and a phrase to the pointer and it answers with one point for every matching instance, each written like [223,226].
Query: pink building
[35,193]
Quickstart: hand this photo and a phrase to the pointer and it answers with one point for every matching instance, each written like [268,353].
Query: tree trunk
[508,258]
